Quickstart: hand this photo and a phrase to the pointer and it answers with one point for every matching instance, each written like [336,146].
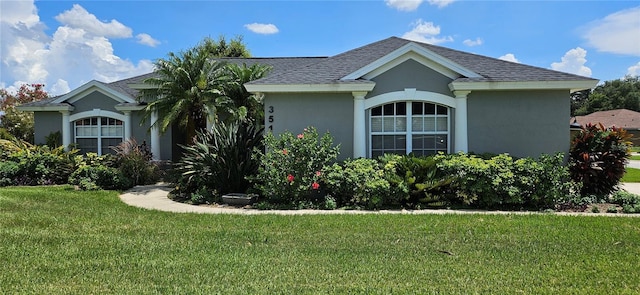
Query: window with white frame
[98,134]
[421,128]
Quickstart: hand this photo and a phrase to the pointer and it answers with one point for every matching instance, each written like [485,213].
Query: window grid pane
[429,132]
[98,134]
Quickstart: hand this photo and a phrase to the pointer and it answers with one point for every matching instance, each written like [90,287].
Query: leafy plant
[290,168]
[37,165]
[134,161]
[505,182]
[425,183]
[597,159]
[94,177]
[220,160]
[54,139]
[622,198]
[612,209]
[360,183]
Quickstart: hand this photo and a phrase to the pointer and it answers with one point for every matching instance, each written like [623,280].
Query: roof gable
[88,88]
[415,52]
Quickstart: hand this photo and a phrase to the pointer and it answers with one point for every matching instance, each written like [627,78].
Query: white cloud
[634,70]
[472,43]
[509,57]
[146,39]
[78,51]
[616,33]
[80,18]
[412,5]
[440,3]
[426,32]
[404,5]
[573,62]
[60,86]
[265,29]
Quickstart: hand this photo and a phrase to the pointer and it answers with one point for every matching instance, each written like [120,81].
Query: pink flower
[284,152]
[318,173]
[315,185]
[300,136]
[290,178]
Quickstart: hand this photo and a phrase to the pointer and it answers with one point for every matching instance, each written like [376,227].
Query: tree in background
[616,94]
[16,123]
[221,48]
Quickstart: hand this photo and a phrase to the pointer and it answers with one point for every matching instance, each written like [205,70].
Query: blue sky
[65,44]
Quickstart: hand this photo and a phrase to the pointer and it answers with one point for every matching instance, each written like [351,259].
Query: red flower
[290,178]
[284,152]
[315,185]
[300,136]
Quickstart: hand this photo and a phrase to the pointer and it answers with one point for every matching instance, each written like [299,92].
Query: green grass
[631,175]
[635,157]
[56,240]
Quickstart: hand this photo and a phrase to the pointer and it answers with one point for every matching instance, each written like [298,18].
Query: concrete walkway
[154,197]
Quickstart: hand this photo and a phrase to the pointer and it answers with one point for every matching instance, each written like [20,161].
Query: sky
[64,44]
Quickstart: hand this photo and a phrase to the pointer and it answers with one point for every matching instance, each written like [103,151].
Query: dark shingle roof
[332,69]
[327,70]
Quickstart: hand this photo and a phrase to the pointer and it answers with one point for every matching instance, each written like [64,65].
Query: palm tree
[185,87]
[242,104]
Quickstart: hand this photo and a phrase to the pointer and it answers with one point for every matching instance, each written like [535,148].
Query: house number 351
[270,118]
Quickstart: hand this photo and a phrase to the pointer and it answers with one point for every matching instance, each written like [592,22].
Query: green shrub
[360,183]
[40,165]
[505,182]
[622,198]
[289,171]
[597,159]
[8,172]
[629,209]
[612,209]
[219,162]
[134,161]
[421,179]
[99,177]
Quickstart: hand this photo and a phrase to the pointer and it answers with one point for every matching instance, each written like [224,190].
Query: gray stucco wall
[94,100]
[411,74]
[332,112]
[521,123]
[44,124]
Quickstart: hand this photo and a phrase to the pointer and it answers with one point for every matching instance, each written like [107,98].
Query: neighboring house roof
[623,118]
[472,68]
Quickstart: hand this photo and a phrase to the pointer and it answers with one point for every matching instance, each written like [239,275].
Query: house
[622,118]
[391,96]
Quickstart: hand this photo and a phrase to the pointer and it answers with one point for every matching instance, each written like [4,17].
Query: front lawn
[631,175]
[56,240]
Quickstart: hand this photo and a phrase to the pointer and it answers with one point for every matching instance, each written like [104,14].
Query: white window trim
[99,114]
[409,128]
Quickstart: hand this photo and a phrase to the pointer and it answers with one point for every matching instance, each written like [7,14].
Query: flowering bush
[290,169]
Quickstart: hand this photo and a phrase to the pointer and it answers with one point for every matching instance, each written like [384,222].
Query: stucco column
[155,137]
[461,141]
[66,130]
[127,125]
[359,126]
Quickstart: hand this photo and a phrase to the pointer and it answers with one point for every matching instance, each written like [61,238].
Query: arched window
[98,134]
[425,131]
